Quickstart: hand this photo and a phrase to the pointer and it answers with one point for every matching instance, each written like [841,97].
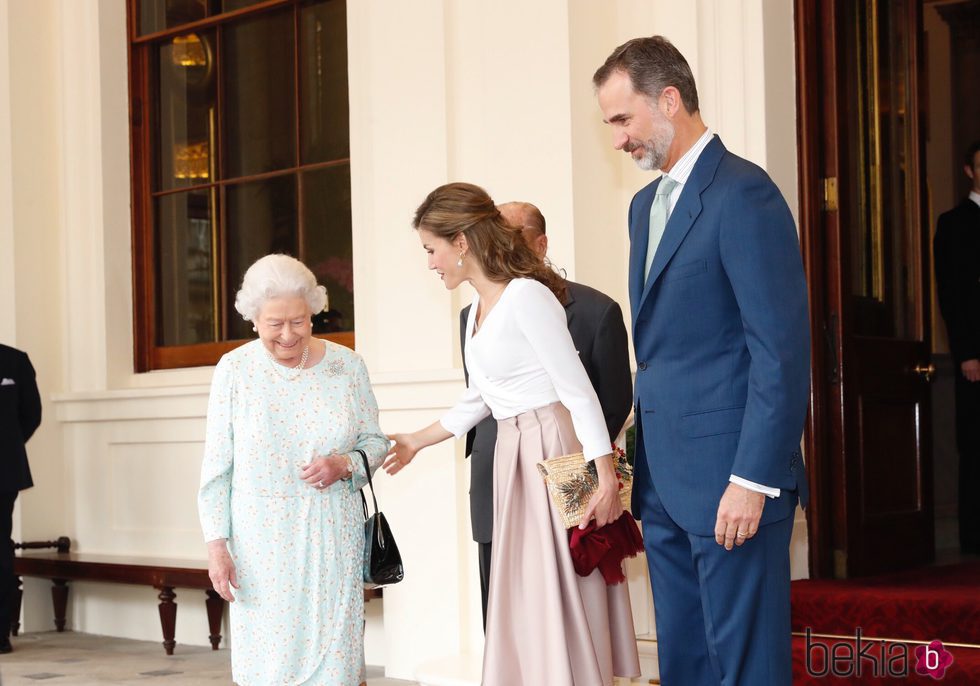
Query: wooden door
[866,249]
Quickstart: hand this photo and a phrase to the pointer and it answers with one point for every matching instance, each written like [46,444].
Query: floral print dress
[298,615]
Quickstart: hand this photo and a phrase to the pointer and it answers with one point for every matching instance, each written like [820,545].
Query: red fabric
[605,548]
[940,602]
[935,603]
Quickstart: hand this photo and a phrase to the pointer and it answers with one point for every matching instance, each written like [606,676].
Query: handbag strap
[367,471]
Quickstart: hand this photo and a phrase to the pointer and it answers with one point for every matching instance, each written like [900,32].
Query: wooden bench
[162,574]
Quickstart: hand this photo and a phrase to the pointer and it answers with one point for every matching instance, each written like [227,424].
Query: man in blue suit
[721,336]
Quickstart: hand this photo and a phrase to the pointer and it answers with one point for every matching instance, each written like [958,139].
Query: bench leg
[15,605]
[216,608]
[168,617]
[59,597]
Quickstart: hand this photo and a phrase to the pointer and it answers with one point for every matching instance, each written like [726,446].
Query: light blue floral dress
[298,616]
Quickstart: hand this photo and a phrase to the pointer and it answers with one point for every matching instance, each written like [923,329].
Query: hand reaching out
[401,453]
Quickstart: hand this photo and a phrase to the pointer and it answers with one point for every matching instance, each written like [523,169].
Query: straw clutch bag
[572,480]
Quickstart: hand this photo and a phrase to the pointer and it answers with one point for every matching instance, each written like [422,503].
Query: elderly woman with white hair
[289,418]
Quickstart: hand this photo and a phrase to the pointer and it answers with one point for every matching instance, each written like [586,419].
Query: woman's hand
[604,505]
[322,472]
[405,447]
[221,569]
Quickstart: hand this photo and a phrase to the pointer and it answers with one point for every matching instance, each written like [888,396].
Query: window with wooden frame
[240,148]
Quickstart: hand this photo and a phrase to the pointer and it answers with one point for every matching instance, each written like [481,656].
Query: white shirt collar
[975,197]
[682,170]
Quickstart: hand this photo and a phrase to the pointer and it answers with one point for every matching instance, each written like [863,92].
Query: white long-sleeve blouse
[523,358]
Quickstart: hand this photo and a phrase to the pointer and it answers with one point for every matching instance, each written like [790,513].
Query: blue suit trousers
[723,617]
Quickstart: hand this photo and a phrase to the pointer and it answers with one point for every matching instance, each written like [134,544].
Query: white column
[30,234]
[82,260]
[405,320]
[8,319]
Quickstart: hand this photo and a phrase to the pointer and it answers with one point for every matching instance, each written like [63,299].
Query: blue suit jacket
[722,341]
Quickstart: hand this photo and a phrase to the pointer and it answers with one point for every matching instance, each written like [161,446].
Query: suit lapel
[685,212]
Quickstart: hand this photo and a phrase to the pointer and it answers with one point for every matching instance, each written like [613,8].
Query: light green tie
[659,214]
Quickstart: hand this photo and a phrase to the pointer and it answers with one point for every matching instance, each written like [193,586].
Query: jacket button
[641,366]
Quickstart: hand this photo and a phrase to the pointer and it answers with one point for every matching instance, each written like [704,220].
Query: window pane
[185,259]
[897,193]
[232,109]
[157,15]
[327,243]
[881,222]
[261,220]
[324,128]
[259,95]
[186,106]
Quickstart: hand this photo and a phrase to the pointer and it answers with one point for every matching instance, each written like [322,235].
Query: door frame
[826,349]
[819,119]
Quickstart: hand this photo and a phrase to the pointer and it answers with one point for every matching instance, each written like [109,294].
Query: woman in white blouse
[545,624]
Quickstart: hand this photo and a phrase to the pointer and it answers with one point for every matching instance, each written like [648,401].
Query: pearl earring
[459,262]
[254,329]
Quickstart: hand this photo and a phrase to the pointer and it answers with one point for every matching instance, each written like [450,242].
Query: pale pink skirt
[546,625]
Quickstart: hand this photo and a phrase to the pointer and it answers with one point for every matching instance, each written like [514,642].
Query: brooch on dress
[335,368]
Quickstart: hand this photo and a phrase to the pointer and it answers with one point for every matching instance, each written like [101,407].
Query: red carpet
[937,603]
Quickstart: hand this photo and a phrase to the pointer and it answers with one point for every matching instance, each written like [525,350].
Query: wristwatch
[350,466]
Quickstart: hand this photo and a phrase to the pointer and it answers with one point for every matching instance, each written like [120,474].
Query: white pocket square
[7,382]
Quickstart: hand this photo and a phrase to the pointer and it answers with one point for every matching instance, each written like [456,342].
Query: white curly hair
[278,276]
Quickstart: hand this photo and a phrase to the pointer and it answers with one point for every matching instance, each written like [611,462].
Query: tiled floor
[54,659]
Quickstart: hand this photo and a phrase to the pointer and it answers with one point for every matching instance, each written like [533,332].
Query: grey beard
[650,160]
[657,148]
[655,153]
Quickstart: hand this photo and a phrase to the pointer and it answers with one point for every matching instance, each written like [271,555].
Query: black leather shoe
[5,647]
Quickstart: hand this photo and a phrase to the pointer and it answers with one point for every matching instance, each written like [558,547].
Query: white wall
[31,303]
[498,94]
[8,314]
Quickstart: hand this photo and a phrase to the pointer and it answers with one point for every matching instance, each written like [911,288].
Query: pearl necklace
[298,368]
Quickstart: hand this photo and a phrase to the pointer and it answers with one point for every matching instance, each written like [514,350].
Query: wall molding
[433,390]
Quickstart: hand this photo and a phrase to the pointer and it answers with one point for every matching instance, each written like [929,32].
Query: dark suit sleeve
[29,406]
[610,360]
[463,316]
[953,286]
[760,253]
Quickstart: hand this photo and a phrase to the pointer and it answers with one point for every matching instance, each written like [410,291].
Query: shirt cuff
[455,429]
[753,486]
[214,532]
[596,450]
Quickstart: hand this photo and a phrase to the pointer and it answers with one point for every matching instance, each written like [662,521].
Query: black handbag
[382,561]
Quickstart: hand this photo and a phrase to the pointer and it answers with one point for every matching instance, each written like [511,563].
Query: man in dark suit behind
[595,322]
[957,255]
[20,415]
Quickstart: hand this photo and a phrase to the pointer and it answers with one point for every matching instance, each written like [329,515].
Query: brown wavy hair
[499,249]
